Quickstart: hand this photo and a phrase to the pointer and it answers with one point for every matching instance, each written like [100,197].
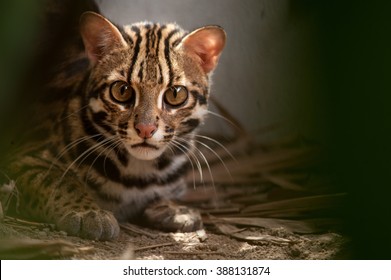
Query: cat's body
[117,138]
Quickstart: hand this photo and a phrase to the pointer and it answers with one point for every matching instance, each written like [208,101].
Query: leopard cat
[116,144]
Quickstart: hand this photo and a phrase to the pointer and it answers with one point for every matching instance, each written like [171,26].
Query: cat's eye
[176,96]
[121,92]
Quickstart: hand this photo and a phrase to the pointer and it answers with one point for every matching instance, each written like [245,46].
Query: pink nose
[145,131]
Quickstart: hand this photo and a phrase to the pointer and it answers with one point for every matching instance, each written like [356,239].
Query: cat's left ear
[99,35]
[206,43]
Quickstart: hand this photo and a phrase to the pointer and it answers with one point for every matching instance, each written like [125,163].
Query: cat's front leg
[95,224]
[168,216]
[79,214]
[62,199]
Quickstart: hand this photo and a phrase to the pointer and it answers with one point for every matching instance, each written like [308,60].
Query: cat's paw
[92,224]
[168,216]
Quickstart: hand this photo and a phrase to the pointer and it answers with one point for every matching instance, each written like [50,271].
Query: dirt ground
[41,241]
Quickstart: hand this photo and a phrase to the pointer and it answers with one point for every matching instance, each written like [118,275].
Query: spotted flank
[116,137]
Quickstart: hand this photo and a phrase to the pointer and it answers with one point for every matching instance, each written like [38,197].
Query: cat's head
[149,83]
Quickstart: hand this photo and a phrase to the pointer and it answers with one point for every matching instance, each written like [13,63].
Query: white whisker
[189,159]
[84,155]
[71,146]
[114,145]
[202,156]
[73,113]
[217,143]
[194,156]
[224,118]
[217,155]
[107,150]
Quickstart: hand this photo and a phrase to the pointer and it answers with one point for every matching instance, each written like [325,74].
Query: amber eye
[121,92]
[176,95]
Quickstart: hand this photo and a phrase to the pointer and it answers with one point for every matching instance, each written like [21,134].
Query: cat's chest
[134,170]
[140,184]
[136,177]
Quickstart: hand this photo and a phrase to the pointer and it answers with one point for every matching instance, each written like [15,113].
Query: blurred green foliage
[19,28]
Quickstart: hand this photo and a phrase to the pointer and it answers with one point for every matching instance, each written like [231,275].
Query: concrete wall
[265,75]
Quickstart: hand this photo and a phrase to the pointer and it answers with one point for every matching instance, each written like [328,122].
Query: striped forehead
[151,56]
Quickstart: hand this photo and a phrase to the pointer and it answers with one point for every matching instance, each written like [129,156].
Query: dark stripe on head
[160,81]
[140,72]
[192,123]
[87,127]
[126,36]
[97,90]
[199,97]
[123,126]
[159,37]
[188,126]
[148,36]
[167,55]
[99,118]
[91,130]
[152,37]
[136,50]
[176,42]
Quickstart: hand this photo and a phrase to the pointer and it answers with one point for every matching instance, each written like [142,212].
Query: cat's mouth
[144,145]
[145,151]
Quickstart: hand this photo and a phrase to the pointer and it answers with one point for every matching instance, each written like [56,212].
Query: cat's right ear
[99,35]
[205,43]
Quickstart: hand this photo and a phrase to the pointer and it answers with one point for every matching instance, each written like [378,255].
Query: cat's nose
[145,131]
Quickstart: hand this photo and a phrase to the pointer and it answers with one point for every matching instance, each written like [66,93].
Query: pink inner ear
[207,43]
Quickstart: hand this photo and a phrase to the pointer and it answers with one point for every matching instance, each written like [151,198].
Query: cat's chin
[144,152]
